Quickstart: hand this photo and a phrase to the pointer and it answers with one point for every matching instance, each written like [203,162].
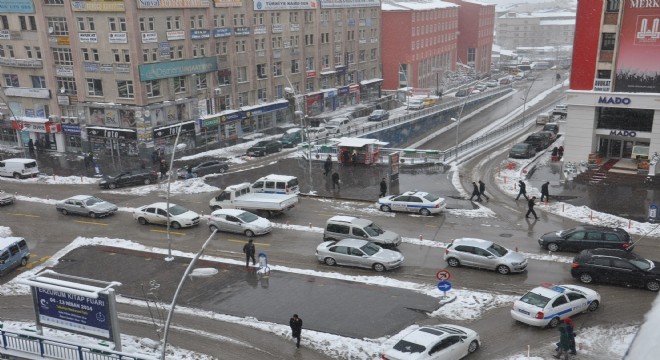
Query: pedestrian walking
[249,251]
[335,181]
[530,208]
[560,151]
[522,190]
[354,157]
[482,190]
[90,155]
[296,327]
[154,156]
[383,188]
[327,167]
[563,345]
[31,147]
[163,168]
[475,192]
[544,191]
[570,330]
[86,161]
[189,173]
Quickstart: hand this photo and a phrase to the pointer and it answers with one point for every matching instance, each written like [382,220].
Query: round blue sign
[444,286]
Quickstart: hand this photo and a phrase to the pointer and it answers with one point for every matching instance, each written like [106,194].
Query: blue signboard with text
[176,68]
[17,6]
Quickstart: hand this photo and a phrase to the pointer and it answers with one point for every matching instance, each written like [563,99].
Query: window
[242,74]
[11,80]
[294,40]
[239,19]
[339,229]
[309,39]
[293,17]
[594,236]
[309,16]
[153,88]
[221,48]
[561,300]
[62,56]
[68,84]
[309,63]
[261,94]
[350,35]
[28,23]
[275,18]
[259,44]
[295,66]
[261,71]
[54,2]
[362,56]
[224,77]
[258,19]
[173,23]
[85,54]
[115,55]
[243,99]
[622,264]
[277,68]
[147,23]
[179,84]
[374,54]
[608,42]
[94,87]
[4,22]
[612,6]
[575,296]
[240,46]
[58,25]
[219,20]
[125,89]
[325,38]
[10,50]
[611,237]
[37,52]
[200,81]
[325,61]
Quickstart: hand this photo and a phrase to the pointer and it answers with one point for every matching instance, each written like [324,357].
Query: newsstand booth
[367,151]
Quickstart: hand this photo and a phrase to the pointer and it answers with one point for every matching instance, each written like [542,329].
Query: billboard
[176,68]
[17,6]
[285,4]
[637,67]
[342,4]
[71,312]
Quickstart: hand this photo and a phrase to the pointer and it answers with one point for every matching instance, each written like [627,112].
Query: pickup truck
[241,197]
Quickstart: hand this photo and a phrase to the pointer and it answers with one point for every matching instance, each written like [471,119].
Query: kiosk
[359,150]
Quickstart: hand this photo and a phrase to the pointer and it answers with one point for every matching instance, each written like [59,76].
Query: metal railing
[26,343]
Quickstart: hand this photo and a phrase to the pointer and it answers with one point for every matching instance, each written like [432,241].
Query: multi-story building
[476,25]
[126,76]
[613,108]
[531,29]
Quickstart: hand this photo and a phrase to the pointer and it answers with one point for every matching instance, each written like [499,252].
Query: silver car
[484,254]
[358,253]
[86,205]
[239,221]
[157,213]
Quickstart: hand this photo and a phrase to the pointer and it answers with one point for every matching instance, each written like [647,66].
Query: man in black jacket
[522,191]
[530,208]
[296,327]
[327,166]
[482,190]
[383,188]
[475,192]
[544,191]
[249,251]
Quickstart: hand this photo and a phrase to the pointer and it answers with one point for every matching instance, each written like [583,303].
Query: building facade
[533,29]
[475,43]
[613,108]
[127,76]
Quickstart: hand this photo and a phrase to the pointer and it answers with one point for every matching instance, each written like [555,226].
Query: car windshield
[248,217]
[370,249]
[287,137]
[409,347]
[373,230]
[177,210]
[431,197]
[642,263]
[93,200]
[378,112]
[535,299]
[520,147]
[497,250]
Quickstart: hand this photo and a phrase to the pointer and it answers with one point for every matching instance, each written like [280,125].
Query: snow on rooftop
[558,22]
[416,5]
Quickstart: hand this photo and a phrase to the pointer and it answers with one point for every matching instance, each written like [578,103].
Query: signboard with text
[285,5]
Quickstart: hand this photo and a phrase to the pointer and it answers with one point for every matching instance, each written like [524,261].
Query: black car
[205,168]
[127,178]
[537,140]
[616,267]
[554,127]
[379,115]
[522,151]
[263,148]
[587,237]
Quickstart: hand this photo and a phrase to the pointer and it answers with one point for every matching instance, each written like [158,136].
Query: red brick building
[475,42]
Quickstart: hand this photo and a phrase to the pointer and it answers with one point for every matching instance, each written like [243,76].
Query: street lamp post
[299,111]
[525,101]
[167,206]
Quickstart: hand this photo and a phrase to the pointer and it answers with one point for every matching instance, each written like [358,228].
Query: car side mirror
[491,256]
[365,236]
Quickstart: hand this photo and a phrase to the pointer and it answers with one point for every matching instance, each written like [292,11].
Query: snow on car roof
[232,212]
[342,218]
[277,177]
[80,197]
[6,241]
[424,336]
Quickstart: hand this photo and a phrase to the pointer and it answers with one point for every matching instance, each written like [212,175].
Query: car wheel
[593,306]
[147,181]
[142,221]
[586,278]
[553,247]
[249,233]
[175,225]
[330,261]
[64,212]
[474,346]
[379,267]
[425,212]
[24,261]
[92,214]
[216,207]
[385,208]
[17,176]
[503,269]
[213,228]
[112,186]
[554,322]
[453,262]
[653,285]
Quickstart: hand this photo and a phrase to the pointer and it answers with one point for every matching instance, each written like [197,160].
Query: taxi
[419,202]
[548,304]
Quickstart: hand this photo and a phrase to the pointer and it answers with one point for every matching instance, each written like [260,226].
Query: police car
[548,304]
[413,201]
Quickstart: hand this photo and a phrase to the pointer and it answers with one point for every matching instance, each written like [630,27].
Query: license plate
[523,311]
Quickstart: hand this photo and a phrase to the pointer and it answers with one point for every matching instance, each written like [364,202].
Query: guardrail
[30,345]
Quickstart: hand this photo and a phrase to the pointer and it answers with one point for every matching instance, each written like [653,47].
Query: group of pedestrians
[531,202]
[566,344]
[327,169]
[479,191]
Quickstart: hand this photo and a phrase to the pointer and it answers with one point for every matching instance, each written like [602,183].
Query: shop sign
[112,133]
[336,4]
[45,127]
[98,6]
[149,37]
[260,30]
[176,68]
[614,100]
[117,38]
[107,68]
[227,3]
[172,130]
[294,27]
[123,68]
[172,4]
[176,35]
[91,67]
[164,50]
[88,38]
[16,6]
[209,124]
[22,63]
[28,92]
[625,133]
[242,30]
[5,35]
[354,88]
[310,73]
[200,34]
[71,129]
[277,28]
[343,90]
[63,40]
[221,32]
[238,115]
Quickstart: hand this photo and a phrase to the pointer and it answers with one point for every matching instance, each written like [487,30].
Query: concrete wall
[579,128]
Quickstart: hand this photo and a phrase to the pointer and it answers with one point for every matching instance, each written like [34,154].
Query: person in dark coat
[249,250]
[327,166]
[90,155]
[523,190]
[544,191]
[335,181]
[564,343]
[475,192]
[163,168]
[530,208]
[560,151]
[296,327]
[555,152]
[482,190]
[570,329]
[383,188]
[189,173]
[31,147]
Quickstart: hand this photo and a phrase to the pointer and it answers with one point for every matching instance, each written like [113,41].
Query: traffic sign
[443,275]
[444,286]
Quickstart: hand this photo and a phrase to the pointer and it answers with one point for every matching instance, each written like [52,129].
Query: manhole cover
[506,235]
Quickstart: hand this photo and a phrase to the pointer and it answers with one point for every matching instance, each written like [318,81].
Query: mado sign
[71,312]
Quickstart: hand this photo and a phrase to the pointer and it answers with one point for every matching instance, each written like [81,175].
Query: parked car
[413,201]
[127,178]
[204,168]
[379,115]
[291,138]
[19,168]
[436,342]
[484,254]
[239,221]
[481,87]
[586,237]
[554,127]
[86,205]
[549,135]
[316,133]
[548,304]
[614,266]
[414,104]
[359,253]
[14,252]
[492,83]
[539,141]
[462,93]
[522,151]
[335,125]
[6,198]
[265,147]
[505,81]
[156,213]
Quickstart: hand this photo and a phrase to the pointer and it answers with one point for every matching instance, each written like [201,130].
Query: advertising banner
[176,35]
[171,69]
[227,3]
[285,4]
[172,4]
[221,32]
[79,314]
[98,6]
[200,34]
[149,37]
[117,38]
[639,46]
[340,4]
[17,6]
[87,38]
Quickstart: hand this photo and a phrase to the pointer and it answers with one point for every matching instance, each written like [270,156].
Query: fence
[30,345]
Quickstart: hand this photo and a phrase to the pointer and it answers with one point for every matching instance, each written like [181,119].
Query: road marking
[90,222]
[27,215]
[243,241]
[165,232]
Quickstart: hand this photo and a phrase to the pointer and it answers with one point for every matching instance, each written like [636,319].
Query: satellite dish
[146,113]
[50,30]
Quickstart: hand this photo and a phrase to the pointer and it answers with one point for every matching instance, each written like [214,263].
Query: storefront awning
[359,142]
[370,81]
[32,120]
[331,72]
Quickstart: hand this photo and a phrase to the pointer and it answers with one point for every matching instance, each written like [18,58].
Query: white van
[277,184]
[14,252]
[19,168]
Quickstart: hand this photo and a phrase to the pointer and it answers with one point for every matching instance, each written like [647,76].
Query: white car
[413,201]
[239,221]
[156,214]
[438,342]
[548,304]
[316,133]
[335,126]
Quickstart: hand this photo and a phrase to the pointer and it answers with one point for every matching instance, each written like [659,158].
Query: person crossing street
[475,192]
[522,190]
[530,208]
[482,190]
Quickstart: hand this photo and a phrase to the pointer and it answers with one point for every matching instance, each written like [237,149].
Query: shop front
[354,94]
[314,103]
[72,138]
[7,134]
[264,117]
[329,99]
[45,134]
[370,89]
[618,144]
[342,96]
[165,136]
[112,141]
